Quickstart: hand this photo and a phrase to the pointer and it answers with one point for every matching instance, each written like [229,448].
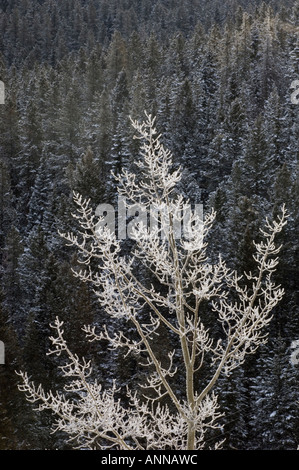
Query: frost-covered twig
[184,280]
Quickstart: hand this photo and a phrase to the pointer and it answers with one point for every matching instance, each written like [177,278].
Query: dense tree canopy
[217,74]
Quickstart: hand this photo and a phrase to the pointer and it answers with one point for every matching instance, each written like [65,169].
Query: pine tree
[87,177]
[274,389]
[11,284]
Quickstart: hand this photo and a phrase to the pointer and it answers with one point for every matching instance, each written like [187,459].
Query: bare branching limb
[242,304]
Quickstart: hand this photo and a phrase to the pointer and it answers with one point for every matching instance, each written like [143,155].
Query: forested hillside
[217,75]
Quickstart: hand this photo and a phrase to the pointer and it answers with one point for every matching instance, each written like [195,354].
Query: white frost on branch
[161,419]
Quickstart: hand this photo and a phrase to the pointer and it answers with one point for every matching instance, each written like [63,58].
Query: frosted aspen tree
[185,280]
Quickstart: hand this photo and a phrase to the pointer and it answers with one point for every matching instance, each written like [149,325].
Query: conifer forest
[221,79]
